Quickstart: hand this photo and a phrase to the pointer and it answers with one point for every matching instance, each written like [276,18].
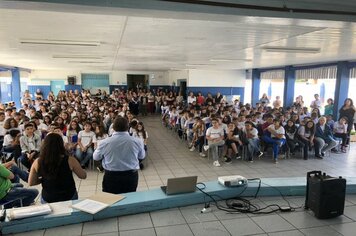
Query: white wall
[195,78]
[156,77]
[216,78]
[43,77]
[175,75]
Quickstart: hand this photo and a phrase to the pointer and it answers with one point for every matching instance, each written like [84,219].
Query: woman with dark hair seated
[291,136]
[12,144]
[53,169]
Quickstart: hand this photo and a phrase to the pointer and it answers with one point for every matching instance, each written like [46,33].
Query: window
[272,84]
[315,81]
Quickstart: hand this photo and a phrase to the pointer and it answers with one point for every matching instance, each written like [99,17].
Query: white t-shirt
[2,129]
[191,99]
[340,128]
[173,115]
[140,135]
[86,137]
[8,140]
[253,132]
[280,130]
[42,126]
[215,133]
[65,139]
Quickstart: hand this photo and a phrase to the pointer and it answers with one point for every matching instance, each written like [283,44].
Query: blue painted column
[289,82]
[341,86]
[256,81]
[16,87]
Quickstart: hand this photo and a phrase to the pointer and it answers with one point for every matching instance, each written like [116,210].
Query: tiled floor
[169,157]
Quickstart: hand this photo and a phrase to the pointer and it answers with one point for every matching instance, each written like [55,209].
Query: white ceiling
[131,40]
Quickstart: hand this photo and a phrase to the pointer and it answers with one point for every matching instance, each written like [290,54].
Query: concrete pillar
[16,87]
[289,83]
[256,81]
[341,86]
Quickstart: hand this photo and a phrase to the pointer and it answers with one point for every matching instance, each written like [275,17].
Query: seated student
[232,142]
[58,130]
[142,134]
[12,144]
[277,138]
[132,127]
[330,121]
[41,127]
[12,191]
[173,116]
[306,134]
[323,138]
[84,150]
[253,145]
[188,126]
[10,124]
[291,135]
[18,173]
[2,129]
[340,131]
[100,135]
[53,169]
[215,137]
[199,136]
[72,135]
[25,121]
[30,146]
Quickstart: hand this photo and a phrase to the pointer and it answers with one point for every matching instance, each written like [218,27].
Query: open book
[97,202]
[29,211]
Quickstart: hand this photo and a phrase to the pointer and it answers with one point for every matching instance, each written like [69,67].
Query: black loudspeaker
[71,80]
[325,195]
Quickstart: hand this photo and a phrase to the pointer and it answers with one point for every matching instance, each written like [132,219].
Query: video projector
[232,180]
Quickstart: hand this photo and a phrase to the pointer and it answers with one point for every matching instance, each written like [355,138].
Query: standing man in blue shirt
[120,155]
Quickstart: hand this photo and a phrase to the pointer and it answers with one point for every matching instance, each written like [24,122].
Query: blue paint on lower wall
[165,88]
[44,88]
[227,91]
[73,87]
[113,87]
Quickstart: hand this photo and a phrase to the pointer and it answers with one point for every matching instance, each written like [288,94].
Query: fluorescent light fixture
[199,65]
[174,68]
[291,50]
[77,57]
[89,62]
[227,60]
[60,42]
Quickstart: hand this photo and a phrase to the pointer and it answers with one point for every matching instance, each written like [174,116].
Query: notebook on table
[180,185]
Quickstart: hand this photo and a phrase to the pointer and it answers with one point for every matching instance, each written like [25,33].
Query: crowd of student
[81,121]
[213,124]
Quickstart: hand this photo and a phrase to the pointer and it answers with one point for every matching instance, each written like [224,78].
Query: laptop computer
[180,185]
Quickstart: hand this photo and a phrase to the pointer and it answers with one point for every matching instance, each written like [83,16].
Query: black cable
[243,205]
[284,198]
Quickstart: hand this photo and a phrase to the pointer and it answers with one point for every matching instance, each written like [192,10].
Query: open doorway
[136,82]
[182,83]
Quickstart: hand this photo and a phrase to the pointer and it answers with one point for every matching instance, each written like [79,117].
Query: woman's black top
[349,113]
[60,187]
